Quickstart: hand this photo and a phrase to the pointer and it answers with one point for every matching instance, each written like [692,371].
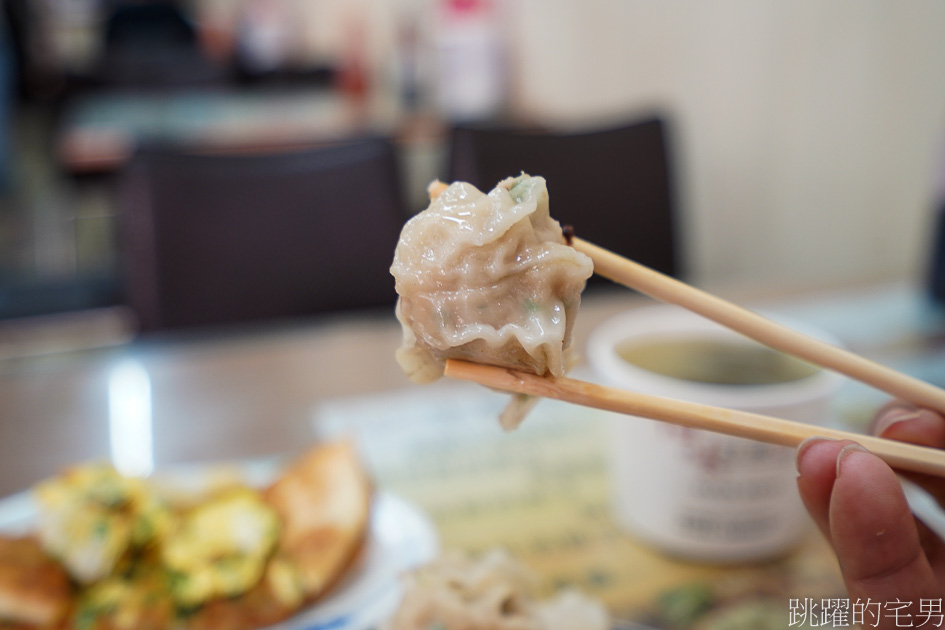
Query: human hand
[886,556]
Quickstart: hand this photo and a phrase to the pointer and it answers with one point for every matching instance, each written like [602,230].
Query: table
[101,130]
[542,491]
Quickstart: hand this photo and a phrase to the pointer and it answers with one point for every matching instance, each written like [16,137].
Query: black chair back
[614,186]
[154,45]
[224,239]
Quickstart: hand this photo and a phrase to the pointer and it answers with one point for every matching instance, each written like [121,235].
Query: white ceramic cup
[696,494]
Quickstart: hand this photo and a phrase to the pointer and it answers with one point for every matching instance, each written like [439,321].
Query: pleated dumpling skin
[487,278]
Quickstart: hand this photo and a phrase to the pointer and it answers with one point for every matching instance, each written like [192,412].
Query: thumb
[874,533]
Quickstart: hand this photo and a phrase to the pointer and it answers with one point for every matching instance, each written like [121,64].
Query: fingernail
[894,416]
[845,452]
[803,446]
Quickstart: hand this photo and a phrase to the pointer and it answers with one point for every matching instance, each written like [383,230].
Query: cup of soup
[693,493]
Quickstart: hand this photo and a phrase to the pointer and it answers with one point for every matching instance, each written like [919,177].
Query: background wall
[809,133]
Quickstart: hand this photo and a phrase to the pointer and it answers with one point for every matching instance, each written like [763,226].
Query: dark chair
[212,239]
[614,186]
[935,265]
[153,45]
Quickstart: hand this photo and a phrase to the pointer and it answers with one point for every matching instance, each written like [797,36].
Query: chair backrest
[147,25]
[153,45]
[614,186]
[224,239]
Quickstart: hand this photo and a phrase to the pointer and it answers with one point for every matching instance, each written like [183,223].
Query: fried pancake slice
[257,608]
[324,501]
[138,600]
[34,588]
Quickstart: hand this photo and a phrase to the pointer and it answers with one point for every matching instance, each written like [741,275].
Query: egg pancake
[34,589]
[323,502]
[238,559]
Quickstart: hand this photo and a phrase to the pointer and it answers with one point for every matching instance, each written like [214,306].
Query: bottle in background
[469,77]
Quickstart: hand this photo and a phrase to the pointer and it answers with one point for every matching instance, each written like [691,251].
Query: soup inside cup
[693,493]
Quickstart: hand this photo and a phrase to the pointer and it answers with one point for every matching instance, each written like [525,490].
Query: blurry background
[806,139]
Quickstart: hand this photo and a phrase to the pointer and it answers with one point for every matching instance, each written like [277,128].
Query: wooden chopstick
[761,329]
[900,455]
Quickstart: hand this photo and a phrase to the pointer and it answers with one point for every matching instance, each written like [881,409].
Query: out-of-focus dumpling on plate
[487,278]
[493,592]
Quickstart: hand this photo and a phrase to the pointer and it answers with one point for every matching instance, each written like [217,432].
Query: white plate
[400,537]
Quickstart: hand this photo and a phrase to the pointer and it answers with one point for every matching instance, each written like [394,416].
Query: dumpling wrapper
[487,278]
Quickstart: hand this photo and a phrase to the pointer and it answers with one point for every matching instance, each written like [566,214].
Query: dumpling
[494,591]
[487,278]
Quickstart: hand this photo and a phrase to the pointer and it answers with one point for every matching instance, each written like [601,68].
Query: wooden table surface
[542,492]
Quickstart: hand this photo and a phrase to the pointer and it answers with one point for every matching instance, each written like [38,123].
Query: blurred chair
[153,44]
[613,185]
[227,239]
[935,270]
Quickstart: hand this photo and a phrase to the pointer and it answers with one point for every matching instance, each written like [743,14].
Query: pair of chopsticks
[753,426]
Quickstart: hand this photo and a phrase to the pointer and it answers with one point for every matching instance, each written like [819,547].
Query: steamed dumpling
[494,591]
[487,278]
